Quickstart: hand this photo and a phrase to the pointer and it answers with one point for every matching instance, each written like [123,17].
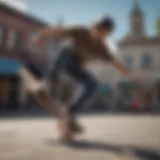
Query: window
[1,35]
[146,61]
[128,61]
[31,35]
[13,39]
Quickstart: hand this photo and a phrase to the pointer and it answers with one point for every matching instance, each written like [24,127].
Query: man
[87,44]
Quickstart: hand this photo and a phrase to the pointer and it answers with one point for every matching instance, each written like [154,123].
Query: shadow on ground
[145,154]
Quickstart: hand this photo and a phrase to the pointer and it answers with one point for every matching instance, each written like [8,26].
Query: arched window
[146,61]
[128,60]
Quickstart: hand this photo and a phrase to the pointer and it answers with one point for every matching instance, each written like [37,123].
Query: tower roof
[136,7]
[136,4]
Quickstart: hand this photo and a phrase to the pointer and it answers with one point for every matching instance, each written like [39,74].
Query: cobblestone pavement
[105,138]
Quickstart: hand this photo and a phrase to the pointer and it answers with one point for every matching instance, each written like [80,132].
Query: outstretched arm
[109,57]
[52,32]
[49,33]
[119,65]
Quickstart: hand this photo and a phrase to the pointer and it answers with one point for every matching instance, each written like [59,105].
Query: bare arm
[119,65]
[107,56]
[51,32]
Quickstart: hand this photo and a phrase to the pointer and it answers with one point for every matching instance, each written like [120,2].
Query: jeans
[68,61]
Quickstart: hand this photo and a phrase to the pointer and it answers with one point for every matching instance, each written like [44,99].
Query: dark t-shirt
[86,46]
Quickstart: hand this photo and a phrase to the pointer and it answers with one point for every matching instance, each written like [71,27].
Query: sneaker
[66,134]
[75,127]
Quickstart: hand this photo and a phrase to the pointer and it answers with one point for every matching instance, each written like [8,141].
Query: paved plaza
[107,137]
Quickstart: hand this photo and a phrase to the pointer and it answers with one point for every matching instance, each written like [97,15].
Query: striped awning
[9,66]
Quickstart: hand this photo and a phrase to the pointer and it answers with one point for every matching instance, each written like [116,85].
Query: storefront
[103,99]
[9,84]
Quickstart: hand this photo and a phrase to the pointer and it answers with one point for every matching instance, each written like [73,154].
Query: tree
[158,26]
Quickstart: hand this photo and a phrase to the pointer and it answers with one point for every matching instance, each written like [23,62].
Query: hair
[106,23]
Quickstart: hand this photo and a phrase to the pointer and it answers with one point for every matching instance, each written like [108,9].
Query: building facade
[16,31]
[139,51]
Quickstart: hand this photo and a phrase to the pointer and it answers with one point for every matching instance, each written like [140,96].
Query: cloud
[18,4]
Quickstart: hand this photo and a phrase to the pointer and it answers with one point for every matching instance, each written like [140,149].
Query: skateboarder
[86,44]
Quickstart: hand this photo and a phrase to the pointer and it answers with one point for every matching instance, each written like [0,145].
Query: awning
[9,66]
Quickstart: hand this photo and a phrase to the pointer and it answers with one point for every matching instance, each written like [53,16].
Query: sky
[88,11]
[19,4]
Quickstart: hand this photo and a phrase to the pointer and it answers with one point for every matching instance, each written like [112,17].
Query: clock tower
[137,21]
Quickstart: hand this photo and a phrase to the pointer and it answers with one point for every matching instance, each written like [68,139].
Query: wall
[136,52]
[22,25]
